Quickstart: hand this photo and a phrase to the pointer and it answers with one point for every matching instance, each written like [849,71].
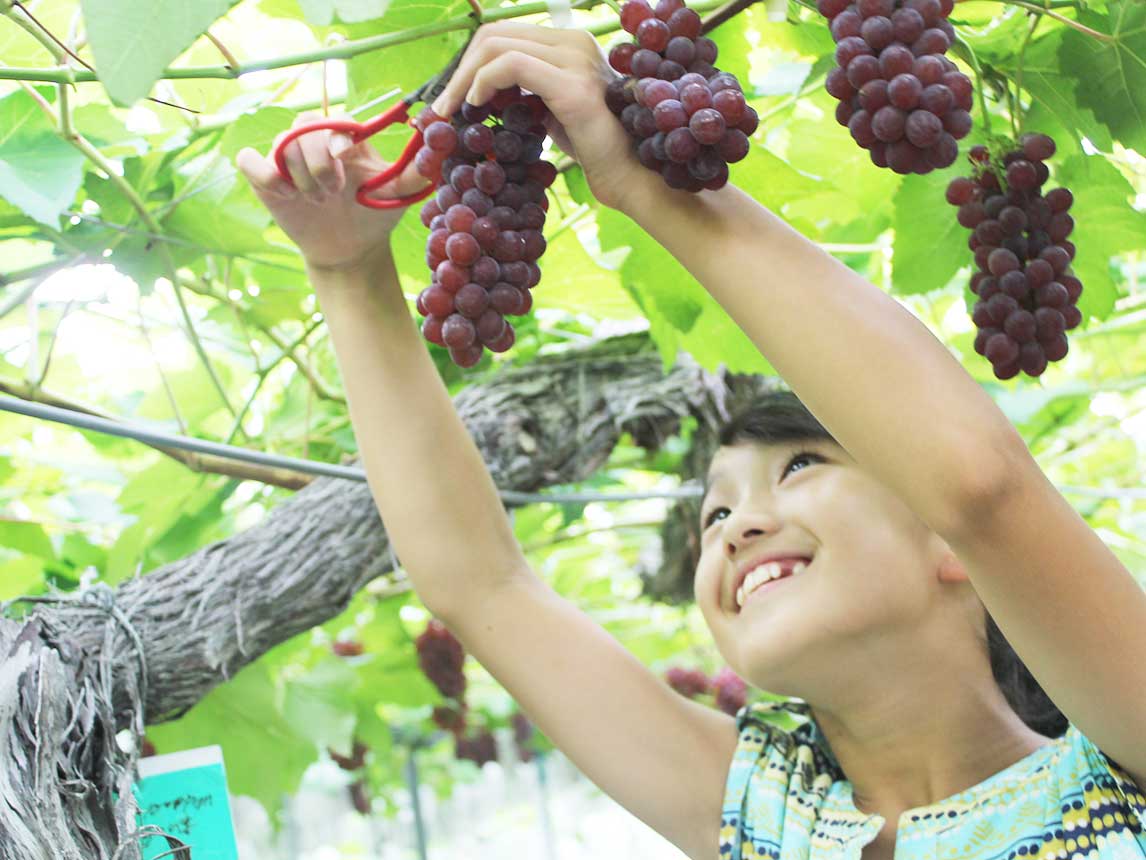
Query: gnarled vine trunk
[72,675]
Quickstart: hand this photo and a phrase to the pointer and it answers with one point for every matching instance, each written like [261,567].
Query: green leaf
[409,64]
[318,704]
[1106,224]
[20,576]
[1051,85]
[930,245]
[1112,74]
[264,754]
[135,42]
[26,538]
[40,173]
[257,129]
[217,211]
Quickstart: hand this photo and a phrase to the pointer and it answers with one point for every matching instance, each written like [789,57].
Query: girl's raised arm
[660,755]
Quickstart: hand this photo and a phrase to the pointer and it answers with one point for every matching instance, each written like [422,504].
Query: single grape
[681,146]
[633,13]
[903,91]
[923,128]
[653,34]
[707,125]
[888,123]
[670,114]
[960,190]
[1059,199]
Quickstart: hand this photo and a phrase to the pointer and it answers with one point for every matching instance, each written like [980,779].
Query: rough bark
[71,676]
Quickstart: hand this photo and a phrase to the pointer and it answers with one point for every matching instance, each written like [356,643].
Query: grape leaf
[40,173]
[263,753]
[134,42]
[408,64]
[1106,224]
[1113,73]
[930,245]
[1052,85]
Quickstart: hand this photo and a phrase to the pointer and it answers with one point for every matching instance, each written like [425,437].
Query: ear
[950,569]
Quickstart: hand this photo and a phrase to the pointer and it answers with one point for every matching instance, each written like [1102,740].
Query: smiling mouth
[765,577]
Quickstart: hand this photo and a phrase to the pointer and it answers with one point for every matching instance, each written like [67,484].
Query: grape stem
[723,14]
[1035,21]
[979,88]
[614,5]
[1042,10]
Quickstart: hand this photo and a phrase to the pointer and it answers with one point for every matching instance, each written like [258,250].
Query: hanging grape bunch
[479,748]
[1028,296]
[901,98]
[441,657]
[690,683]
[485,221]
[688,119]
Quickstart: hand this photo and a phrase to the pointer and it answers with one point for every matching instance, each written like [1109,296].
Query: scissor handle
[358,132]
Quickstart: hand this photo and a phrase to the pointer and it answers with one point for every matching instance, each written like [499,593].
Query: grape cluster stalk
[689,120]
[901,98]
[441,658]
[1027,293]
[485,220]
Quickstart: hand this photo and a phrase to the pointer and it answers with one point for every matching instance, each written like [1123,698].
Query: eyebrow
[715,477]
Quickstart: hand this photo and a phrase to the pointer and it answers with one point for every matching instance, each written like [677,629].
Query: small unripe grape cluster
[689,119]
[1028,295]
[485,221]
[901,98]
[441,658]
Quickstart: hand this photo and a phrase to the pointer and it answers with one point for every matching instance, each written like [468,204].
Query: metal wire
[687,490]
[310,467]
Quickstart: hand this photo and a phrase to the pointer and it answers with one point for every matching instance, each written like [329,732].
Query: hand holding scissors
[358,132]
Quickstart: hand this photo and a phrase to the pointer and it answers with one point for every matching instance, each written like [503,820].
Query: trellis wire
[687,489]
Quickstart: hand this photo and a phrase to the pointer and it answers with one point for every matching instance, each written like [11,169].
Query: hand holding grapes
[319,211]
[568,70]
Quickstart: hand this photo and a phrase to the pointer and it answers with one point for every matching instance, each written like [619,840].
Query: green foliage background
[93,176]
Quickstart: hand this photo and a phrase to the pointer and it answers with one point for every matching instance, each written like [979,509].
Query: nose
[742,527]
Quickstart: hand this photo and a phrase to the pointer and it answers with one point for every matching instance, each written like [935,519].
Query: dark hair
[779,417]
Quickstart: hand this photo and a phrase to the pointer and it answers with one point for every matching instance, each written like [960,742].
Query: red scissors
[358,132]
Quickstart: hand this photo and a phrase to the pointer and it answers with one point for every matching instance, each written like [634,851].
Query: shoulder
[781,773]
[1103,781]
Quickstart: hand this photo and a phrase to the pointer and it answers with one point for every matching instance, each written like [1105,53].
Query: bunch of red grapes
[901,98]
[522,736]
[441,657]
[485,220]
[1028,296]
[689,119]
[731,691]
[690,683]
[480,748]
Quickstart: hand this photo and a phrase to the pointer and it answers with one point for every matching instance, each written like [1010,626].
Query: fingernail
[339,143]
[439,105]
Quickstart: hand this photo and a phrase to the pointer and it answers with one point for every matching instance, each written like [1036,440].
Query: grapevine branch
[1062,19]
[345,51]
[723,14]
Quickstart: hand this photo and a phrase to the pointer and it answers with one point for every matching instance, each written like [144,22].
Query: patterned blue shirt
[786,798]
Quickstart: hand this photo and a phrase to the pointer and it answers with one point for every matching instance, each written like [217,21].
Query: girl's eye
[799,456]
[809,456]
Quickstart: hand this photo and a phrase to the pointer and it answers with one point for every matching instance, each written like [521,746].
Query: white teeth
[762,574]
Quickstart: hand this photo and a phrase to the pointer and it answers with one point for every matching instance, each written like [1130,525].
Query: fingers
[524,69]
[557,48]
[325,170]
[263,175]
[313,159]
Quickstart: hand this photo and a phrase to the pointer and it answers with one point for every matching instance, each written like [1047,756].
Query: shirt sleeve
[1113,802]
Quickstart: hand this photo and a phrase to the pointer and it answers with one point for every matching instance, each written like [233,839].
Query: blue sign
[185,794]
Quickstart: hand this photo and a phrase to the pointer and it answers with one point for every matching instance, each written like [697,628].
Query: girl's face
[859,605]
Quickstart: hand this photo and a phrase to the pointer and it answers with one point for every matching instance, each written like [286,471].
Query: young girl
[904,509]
